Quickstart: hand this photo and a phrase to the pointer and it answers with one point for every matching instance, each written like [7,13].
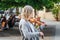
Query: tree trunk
[57,17]
[35,13]
[17,10]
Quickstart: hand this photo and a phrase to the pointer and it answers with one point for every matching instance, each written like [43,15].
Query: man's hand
[42,35]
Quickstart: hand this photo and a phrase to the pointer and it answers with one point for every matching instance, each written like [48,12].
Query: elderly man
[26,28]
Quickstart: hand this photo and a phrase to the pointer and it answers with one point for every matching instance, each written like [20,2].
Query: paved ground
[57,34]
[20,38]
[15,35]
[57,28]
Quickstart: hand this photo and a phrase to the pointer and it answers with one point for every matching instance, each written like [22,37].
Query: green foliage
[37,4]
[55,11]
[56,1]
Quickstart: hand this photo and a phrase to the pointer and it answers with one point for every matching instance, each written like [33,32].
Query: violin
[34,20]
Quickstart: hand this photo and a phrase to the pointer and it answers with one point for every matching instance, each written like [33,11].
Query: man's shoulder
[22,21]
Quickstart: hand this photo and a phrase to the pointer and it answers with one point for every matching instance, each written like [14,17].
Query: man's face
[30,16]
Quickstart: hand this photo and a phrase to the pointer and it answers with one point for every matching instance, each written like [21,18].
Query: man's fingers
[41,33]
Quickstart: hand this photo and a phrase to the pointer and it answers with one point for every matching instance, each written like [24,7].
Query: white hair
[27,10]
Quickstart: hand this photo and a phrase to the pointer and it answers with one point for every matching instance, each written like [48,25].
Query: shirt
[27,28]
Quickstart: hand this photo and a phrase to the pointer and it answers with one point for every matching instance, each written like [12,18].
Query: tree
[36,4]
[5,4]
[55,11]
